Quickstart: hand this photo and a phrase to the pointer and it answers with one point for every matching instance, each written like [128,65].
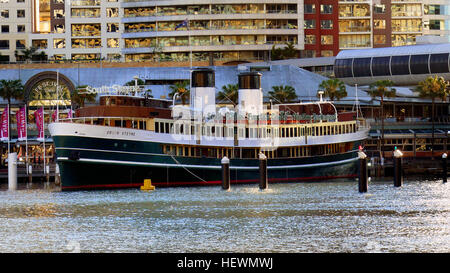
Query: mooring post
[57,176]
[225,173]
[362,181]
[263,180]
[12,171]
[398,177]
[444,167]
[47,174]
[30,174]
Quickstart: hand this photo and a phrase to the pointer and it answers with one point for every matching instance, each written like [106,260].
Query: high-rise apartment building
[138,30]
[233,30]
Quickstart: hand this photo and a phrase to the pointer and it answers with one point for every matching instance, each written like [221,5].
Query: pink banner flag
[70,114]
[4,126]
[54,115]
[21,117]
[39,116]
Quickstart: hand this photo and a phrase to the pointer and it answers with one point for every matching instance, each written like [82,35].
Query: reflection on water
[304,217]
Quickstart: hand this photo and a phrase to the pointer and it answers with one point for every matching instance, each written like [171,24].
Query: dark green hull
[91,163]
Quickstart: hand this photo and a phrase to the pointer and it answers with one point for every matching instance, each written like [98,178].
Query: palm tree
[79,96]
[433,88]
[148,92]
[382,89]
[11,89]
[283,93]
[282,53]
[27,53]
[182,89]
[333,89]
[289,51]
[229,93]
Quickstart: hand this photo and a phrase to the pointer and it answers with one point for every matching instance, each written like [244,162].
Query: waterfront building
[215,32]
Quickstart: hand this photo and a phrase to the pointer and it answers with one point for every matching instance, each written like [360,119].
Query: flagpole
[190,43]
[9,133]
[57,95]
[43,133]
[26,137]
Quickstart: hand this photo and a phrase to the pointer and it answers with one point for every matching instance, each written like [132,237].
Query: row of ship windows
[252,153]
[283,132]
[392,65]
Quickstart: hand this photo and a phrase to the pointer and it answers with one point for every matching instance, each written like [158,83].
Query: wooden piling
[12,171]
[263,178]
[225,173]
[362,179]
[444,167]
[398,171]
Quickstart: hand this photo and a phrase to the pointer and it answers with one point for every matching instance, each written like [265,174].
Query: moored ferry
[129,137]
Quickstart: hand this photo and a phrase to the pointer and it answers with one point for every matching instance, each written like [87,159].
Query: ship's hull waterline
[91,161]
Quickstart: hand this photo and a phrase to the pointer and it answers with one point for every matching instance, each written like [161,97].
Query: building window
[400,65]
[310,24]
[59,56]
[361,67]
[59,43]
[326,24]
[86,43]
[40,44]
[419,64]
[310,9]
[354,10]
[343,68]
[310,39]
[5,29]
[4,44]
[354,41]
[20,13]
[86,30]
[379,24]
[4,13]
[21,28]
[379,39]
[434,9]
[437,24]
[112,12]
[58,13]
[378,8]
[439,63]
[403,39]
[112,42]
[307,54]
[85,13]
[326,39]
[20,44]
[380,66]
[86,57]
[327,53]
[326,9]
[408,10]
[59,28]
[112,27]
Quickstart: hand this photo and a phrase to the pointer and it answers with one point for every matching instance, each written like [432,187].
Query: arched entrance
[40,90]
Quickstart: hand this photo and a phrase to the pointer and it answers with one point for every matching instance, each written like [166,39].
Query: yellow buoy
[147,185]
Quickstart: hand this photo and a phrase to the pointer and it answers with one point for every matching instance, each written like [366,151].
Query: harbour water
[297,217]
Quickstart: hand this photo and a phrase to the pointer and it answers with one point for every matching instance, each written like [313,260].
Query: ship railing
[135,124]
[95,121]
